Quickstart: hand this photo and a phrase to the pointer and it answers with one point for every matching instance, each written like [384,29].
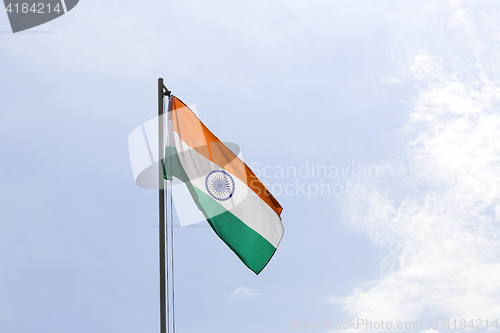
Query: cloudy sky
[397,100]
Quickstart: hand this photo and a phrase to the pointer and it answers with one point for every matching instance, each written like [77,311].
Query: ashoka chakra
[220,185]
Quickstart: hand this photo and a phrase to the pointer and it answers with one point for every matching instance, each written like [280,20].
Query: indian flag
[238,207]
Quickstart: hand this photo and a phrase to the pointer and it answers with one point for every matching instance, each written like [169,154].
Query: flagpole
[165,265]
[164,313]
[161,186]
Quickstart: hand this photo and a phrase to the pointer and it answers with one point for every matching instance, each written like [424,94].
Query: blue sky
[409,88]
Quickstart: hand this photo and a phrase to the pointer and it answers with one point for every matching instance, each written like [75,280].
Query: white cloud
[243,292]
[438,211]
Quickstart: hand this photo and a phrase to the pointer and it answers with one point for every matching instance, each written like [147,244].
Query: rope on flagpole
[170,240]
[166,231]
[172,251]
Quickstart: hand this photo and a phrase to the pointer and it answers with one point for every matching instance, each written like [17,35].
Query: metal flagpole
[161,186]
[162,91]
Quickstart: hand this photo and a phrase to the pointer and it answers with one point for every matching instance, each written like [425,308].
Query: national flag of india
[238,207]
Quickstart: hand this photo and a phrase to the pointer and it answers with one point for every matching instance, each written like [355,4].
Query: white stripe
[245,205]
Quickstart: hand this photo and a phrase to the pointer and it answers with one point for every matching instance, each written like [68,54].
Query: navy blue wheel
[220,185]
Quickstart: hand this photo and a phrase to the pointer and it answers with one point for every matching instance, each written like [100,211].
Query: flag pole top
[166,92]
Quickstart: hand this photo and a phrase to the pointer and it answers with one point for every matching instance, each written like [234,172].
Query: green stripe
[173,166]
[253,249]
